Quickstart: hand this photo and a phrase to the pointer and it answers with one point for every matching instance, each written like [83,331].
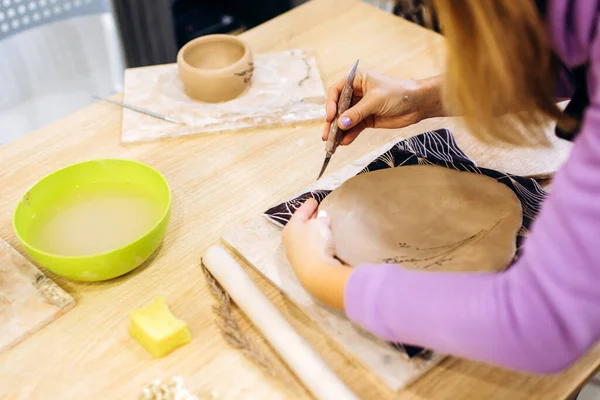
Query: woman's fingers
[349,135]
[333,95]
[367,106]
[352,134]
[327,127]
[304,212]
[331,109]
[323,216]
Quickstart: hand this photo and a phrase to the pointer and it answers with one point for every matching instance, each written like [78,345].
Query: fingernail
[322,214]
[345,122]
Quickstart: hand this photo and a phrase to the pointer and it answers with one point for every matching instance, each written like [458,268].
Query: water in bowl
[97,219]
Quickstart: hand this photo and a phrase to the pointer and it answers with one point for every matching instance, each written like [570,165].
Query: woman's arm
[431,104]
[540,315]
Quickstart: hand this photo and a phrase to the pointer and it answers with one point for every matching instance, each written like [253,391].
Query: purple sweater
[543,313]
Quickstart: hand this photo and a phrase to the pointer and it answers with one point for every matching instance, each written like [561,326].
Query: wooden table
[219,181]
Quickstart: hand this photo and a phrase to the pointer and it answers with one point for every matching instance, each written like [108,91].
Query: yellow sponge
[157,329]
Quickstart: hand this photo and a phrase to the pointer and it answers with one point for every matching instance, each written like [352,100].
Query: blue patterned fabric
[430,148]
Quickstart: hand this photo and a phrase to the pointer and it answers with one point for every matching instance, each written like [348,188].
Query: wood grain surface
[28,299]
[300,356]
[218,182]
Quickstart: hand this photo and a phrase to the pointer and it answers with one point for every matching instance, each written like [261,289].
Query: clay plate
[425,217]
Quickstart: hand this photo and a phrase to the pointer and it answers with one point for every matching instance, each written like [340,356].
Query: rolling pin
[318,378]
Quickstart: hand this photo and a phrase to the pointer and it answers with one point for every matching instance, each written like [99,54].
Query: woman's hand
[383,102]
[309,247]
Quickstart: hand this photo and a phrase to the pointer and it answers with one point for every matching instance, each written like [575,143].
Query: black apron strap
[579,102]
[578,76]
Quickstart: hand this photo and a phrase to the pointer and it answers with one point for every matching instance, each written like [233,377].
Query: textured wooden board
[527,161]
[286,89]
[258,242]
[28,299]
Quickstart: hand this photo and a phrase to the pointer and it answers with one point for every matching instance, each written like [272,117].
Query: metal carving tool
[140,110]
[335,133]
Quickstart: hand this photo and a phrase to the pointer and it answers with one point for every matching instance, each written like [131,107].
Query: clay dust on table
[286,89]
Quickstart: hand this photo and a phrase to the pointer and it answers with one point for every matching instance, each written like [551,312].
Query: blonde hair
[499,61]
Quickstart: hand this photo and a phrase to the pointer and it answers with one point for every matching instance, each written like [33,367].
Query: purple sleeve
[541,314]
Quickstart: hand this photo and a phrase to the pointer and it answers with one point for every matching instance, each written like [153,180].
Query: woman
[543,313]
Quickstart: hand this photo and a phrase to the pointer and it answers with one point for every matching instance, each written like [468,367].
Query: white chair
[54,54]
[386,5]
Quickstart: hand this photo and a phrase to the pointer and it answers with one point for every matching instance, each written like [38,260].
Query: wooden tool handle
[292,348]
[335,133]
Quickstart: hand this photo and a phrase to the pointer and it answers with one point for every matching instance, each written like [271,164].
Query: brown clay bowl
[215,68]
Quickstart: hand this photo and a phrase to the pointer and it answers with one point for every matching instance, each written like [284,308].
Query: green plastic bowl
[61,186]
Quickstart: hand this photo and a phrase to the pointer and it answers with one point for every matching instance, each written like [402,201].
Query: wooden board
[258,242]
[28,299]
[528,161]
[286,89]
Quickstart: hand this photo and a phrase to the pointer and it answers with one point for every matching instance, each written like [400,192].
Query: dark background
[153,31]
